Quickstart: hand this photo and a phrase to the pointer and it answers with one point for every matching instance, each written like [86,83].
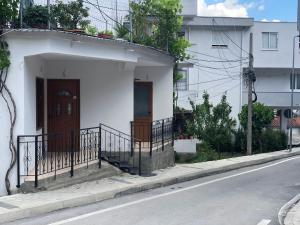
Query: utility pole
[48,7]
[250,79]
[130,18]
[117,19]
[293,81]
[21,13]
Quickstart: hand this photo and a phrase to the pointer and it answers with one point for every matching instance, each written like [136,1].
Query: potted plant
[106,34]
[91,30]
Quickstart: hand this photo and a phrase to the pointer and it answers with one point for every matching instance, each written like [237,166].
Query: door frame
[146,83]
[77,123]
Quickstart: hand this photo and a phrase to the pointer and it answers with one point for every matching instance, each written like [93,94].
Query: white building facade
[219,52]
[62,81]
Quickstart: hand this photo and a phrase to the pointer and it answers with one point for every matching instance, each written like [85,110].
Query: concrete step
[81,174]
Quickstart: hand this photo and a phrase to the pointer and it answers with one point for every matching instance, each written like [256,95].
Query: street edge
[98,197]
[286,208]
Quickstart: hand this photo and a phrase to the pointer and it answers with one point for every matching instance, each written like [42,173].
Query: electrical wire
[231,39]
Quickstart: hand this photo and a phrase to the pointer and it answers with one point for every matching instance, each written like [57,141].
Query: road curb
[286,208]
[85,199]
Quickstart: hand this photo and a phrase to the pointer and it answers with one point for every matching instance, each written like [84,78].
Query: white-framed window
[296,81]
[183,83]
[219,39]
[270,40]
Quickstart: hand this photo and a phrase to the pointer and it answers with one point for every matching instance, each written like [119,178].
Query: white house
[219,51]
[64,83]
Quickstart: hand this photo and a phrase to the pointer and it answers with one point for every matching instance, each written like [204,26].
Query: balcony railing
[38,155]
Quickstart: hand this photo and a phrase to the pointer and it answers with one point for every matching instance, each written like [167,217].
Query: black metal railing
[154,135]
[42,154]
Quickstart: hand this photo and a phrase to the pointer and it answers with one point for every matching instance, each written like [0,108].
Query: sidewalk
[26,205]
[292,212]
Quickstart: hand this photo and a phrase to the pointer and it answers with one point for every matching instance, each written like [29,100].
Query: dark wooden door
[143,98]
[63,113]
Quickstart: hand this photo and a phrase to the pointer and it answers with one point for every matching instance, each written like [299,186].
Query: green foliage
[262,117]
[4,56]
[108,32]
[157,23]
[273,140]
[122,32]
[69,15]
[8,12]
[91,30]
[36,16]
[212,124]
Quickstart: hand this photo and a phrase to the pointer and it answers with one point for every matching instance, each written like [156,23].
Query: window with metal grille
[182,84]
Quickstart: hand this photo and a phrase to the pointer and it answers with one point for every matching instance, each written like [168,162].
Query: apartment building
[219,56]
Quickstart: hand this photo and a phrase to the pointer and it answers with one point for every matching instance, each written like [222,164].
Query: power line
[213,68]
[231,39]
[211,56]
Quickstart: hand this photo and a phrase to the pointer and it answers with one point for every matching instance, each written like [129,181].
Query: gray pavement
[29,205]
[247,196]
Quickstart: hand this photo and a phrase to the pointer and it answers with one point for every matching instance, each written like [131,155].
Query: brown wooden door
[63,113]
[143,95]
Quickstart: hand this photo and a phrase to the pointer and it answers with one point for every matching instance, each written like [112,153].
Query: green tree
[69,15]
[262,118]
[8,12]
[212,124]
[158,23]
[36,16]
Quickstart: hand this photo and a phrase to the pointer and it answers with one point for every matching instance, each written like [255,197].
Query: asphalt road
[249,196]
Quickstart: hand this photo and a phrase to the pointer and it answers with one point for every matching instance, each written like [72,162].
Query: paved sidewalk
[292,212]
[26,205]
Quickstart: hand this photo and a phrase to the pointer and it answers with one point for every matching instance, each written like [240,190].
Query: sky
[266,10]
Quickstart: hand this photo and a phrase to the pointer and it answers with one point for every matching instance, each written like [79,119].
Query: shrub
[205,153]
[36,16]
[212,124]
[262,118]
[273,140]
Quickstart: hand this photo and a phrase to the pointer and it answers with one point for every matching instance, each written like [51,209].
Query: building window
[39,103]
[270,40]
[296,81]
[182,84]
[219,39]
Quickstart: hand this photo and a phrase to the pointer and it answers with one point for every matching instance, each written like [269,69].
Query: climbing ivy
[4,56]
[8,98]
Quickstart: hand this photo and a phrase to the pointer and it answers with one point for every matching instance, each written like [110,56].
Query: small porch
[82,110]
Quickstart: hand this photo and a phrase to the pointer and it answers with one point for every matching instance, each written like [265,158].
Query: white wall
[269,78]
[203,77]
[106,91]
[281,58]
[162,78]
[15,82]
[189,7]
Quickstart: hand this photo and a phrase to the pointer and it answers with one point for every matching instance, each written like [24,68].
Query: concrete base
[160,159]
[81,174]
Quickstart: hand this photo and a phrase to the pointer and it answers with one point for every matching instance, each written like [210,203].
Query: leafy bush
[212,124]
[122,31]
[262,118]
[205,153]
[69,15]
[8,12]
[36,16]
[91,30]
[273,140]
[108,32]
